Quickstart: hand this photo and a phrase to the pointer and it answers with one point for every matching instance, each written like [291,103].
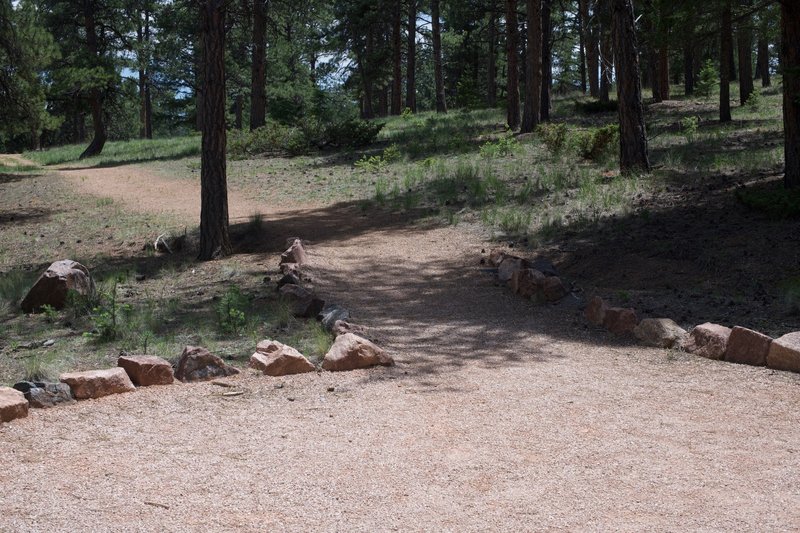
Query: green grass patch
[121,152]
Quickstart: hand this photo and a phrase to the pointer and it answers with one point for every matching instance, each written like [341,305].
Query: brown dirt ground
[499,415]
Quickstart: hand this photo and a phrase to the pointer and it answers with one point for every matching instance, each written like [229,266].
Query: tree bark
[632,133]
[512,55]
[547,60]
[606,63]
[592,51]
[763,62]
[663,73]
[533,69]
[397,69]
[214,236]
[95,94]
[725,58]
[583,14]
[744,46]
[411,75]
[258,68]
[441,101]
[790,57]
[491,78]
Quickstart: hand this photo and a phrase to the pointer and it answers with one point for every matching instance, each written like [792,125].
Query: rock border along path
[500,415]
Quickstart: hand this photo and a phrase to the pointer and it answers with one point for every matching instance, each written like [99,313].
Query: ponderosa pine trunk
[547,60]
[258,68]
[491,67]
[533,69]
[583,15]
[436,28]
[214,237]
[663,73]
[725,59]
[145,100]
[512,64]
[411,68]
[95,94]
[632,133]
[606,63]
[593,52]
[397,59]
[790,59]
[763,62]
[744,47]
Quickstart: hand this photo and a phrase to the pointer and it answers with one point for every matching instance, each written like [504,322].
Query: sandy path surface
[499,415]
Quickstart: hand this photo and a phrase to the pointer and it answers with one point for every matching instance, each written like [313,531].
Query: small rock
[331,314]
[341,327]
[527,282]
[42,395]
[496,256]
[747,347]
[660,332]
[140,277]
[350,352]
[784,353]
[97,383]
[302,302]
[553,289]
[13,404]
[288,279]
[708,340]
[596,311]
[290,268]
[53,286]
[509,265]
[295,254]
[147,370]
[620,320]
[198,364]
[48,343]
[276,359]
[331,389]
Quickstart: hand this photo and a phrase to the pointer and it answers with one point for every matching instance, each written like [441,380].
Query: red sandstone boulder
[97,383]
[350,352]
[620,320]
[553,289]
[784,353]
[747,347]
[660,332]
[295,254]
[146,370]
[342,327]
[276,359]
[708,340]
[496,256]
[301,301]
[508,266]
[596,311]
[198,364]
[53,286]
[13,404]
[527,282]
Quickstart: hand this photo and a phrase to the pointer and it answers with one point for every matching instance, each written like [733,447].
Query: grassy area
[121,152]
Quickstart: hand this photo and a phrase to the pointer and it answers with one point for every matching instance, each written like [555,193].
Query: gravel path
[499,415]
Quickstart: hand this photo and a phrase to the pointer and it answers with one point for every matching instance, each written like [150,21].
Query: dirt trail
[500,415]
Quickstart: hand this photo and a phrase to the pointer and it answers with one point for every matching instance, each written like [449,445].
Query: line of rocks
[349,351]
[537,280]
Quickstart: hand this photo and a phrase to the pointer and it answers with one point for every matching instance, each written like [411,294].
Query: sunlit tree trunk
[533,70]
[512,55]
[633,137]
[95,94]
[214,237]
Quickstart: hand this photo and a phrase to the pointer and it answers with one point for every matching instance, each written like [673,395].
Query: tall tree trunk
[533,69]
[632,134]
[725,58]
[258,68]
[688,67]
[95,94]
[512,61]
[214,237]
[606,63]
[583,14]
[547,60]
[663,73]
[411,75]
[491,78]
[397,70]
[238,111]
[790,59]
[441,102]
[763,55]
[593,51]
[744,46]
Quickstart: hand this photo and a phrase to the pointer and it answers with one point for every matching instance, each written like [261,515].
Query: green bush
[594,143]
[352,132]
[689,127]
[230,311]
[501,147]
[554,136]
[707,80]
[272,138]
